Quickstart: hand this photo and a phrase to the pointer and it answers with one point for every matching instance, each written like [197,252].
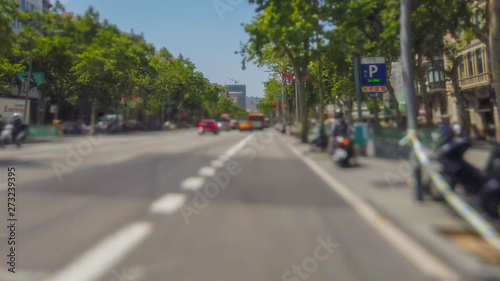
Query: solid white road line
[192,183]
[410,249]
[168,204]
[207,171]
[97,262]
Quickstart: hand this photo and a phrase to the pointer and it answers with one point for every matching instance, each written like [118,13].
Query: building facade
[29,6]
[237,94]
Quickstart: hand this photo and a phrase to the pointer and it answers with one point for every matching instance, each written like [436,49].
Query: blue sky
[194,28]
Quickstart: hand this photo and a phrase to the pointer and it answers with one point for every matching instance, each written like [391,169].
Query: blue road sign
[373,71]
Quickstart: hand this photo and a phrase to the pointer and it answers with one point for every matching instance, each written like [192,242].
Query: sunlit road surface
[148,207]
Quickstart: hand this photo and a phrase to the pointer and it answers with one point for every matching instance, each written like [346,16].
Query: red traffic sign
[375,89]
[288,76]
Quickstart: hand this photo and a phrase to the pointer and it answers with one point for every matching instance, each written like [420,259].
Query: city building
[237,94]
[28,6]
[252,103]
[476,86]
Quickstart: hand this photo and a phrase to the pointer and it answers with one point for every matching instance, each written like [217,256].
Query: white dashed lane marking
[217,164]
[98,261]
[207,171]
[168,204]
[192,183]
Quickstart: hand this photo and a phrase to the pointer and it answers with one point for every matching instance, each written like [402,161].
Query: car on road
[223,125]
[245,126]
[234,125]
[208,125]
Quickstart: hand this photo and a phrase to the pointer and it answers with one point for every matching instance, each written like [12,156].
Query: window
[470,64]
[430,76]
[479,57]
[23,5]
[32,7]
[461,67]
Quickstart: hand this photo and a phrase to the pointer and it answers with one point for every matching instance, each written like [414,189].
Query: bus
[256,120]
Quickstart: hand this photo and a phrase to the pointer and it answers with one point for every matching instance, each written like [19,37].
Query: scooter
[456,170]
[7,135]
[343,152]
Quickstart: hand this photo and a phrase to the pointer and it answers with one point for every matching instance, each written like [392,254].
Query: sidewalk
[383,184]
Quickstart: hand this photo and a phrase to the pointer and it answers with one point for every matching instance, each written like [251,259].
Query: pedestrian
[446,131]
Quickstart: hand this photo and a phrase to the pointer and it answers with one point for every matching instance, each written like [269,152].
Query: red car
[208,125]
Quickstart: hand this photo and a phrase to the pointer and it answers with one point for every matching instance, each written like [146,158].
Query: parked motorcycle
[456,170]
[343,152]
[7,136]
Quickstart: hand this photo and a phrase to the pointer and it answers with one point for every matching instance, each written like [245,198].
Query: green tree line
[90,65]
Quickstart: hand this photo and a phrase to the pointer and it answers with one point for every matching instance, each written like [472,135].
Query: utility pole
[406,63]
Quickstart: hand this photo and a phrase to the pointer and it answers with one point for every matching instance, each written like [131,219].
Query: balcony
[474,81]
[436,86]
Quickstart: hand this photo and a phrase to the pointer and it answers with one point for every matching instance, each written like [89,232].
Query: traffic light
[252,102]
[185,114]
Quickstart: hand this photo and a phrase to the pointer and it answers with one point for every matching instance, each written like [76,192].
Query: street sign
[278,96]
[373,74]
[288,76]
[373,89]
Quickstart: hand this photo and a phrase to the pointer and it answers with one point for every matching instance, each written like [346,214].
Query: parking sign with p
[373,74]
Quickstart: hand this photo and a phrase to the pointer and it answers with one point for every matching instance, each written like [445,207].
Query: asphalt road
[177,206]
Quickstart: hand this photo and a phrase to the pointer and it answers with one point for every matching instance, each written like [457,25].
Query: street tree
[288,27]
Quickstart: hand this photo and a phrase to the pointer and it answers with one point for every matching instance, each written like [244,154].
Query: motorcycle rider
[17,122]
[340,128]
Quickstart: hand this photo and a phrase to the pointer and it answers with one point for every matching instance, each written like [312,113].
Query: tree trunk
[304,114]
[421,80]
[92,117]
[321,103]
[41,111]
[395,102]
[462,113]
[494,49]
